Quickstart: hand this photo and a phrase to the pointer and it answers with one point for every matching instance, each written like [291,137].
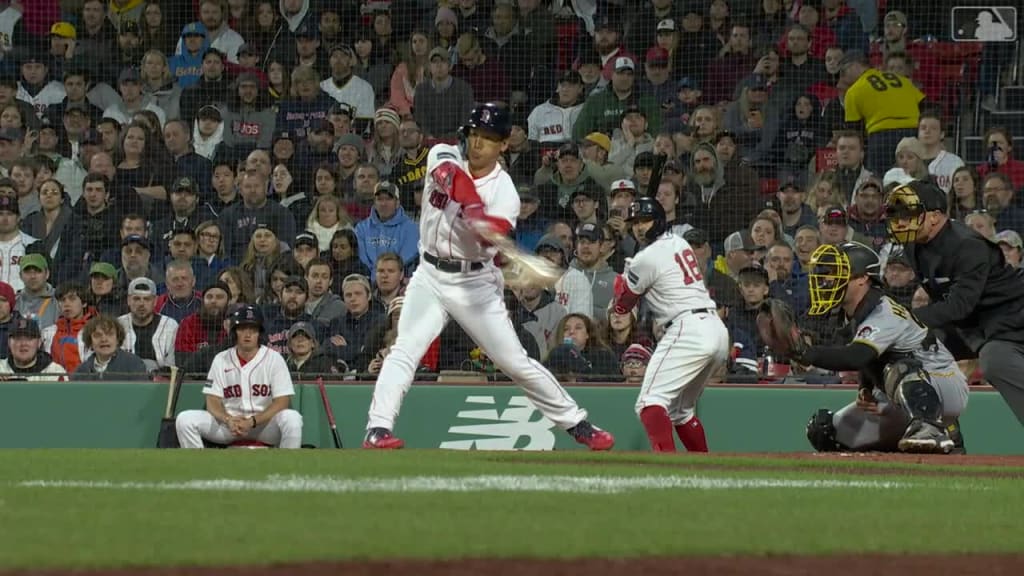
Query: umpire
[977,301]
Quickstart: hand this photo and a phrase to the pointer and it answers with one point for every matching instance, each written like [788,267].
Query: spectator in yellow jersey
[886,103]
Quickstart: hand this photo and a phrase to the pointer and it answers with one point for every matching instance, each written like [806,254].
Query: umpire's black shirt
[970,285]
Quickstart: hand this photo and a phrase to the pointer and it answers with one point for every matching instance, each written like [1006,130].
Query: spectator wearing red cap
[657,82]
[634,363]
[7,314]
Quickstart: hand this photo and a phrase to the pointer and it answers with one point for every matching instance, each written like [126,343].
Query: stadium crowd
[162,162]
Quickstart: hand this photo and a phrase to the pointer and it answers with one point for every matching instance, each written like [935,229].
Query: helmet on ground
[906,206]
[647,208]
[831,269]
[490,116]
[246,315]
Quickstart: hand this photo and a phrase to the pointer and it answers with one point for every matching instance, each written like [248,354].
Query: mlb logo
[984,23]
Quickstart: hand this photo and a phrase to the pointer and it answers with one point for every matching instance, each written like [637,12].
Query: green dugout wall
[484,417]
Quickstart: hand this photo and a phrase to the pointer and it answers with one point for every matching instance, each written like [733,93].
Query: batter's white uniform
[246,391]
[696,342]
[473,298]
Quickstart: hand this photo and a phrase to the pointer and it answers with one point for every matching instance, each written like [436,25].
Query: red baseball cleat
[382,439]
[594,438]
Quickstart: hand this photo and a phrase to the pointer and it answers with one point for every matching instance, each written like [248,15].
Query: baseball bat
[168,436]
[656,172]
[329,411]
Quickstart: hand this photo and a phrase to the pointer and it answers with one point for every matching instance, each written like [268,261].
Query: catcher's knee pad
[911,388]
[821,432]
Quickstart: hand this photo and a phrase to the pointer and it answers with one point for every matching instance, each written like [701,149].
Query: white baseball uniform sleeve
[250,389]
[668,276]
[443,230]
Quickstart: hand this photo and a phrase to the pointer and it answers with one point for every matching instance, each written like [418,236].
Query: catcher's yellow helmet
[831,268]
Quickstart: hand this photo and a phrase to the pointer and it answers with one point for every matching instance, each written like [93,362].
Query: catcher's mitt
[776,323]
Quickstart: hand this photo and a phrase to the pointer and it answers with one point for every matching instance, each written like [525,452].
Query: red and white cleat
[592,436]
[382,439]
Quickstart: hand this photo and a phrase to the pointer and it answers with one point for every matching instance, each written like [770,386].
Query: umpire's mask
[904,214]
[828,278]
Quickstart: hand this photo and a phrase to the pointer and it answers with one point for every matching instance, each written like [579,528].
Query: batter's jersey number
[883,81]
[687,261]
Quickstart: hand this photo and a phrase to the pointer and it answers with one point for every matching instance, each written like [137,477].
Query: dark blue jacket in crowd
[238,222]
[296,116]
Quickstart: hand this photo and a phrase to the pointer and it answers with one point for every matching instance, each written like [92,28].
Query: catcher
[911,391]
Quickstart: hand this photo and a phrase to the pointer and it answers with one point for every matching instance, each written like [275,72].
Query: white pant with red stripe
[693,347]
[475,300]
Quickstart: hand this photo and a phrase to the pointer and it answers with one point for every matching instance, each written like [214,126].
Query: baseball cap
[695,237]
[7,293]
[568,149]
[247,78]
[752,274]
[896,17]
[341,108]
[657,55]
[142,287]
[644,160]
[104,269]
[218,285]
[623,186]
[624,63]
[63,30]
[599,139]
[76,107]
[834,216]
[305,30]
[789,185]
[128,75]
[590,231]
[129,26]
[637,352]
[385,187]
[302,328]
[526,193]
[9,204]
[11,134]
[1010,238]
[687,83]
[194,29]
[608,22]
[572,77]
[667,25]
[33,261]
[588,189]
[321,126]
[632,109]
[248,50]
[296,281]
[439,52]
[306,238]
[24,327]
[739,240]
[899,258]
[135,239]
[185,184]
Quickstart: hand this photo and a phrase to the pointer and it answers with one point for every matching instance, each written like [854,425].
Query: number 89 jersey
[668,276]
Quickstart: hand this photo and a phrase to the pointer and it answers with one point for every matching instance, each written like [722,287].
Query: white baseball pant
[693,347]
[474,300]
[284,430]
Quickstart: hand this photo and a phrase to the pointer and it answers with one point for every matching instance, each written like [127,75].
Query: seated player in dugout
[911,390]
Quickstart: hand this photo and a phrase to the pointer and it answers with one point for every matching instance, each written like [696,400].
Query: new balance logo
[515,428]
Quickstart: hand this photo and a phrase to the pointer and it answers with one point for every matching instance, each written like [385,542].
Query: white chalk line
[505,483]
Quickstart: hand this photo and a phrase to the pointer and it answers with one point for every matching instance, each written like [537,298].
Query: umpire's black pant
[1002,365]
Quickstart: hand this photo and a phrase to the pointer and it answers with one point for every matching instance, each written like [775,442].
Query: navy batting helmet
[649,208]
[246,315]
[490,116]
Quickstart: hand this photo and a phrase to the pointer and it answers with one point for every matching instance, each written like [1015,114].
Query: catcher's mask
[904,214]
[831,269]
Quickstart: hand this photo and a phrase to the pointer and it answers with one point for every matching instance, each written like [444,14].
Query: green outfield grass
[112,508]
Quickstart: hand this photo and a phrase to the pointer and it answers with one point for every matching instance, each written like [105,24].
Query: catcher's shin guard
[919,398]
[821,431]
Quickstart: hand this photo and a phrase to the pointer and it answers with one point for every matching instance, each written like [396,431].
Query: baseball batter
[911,390]
[457,279]
[248,392]
[695,344]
